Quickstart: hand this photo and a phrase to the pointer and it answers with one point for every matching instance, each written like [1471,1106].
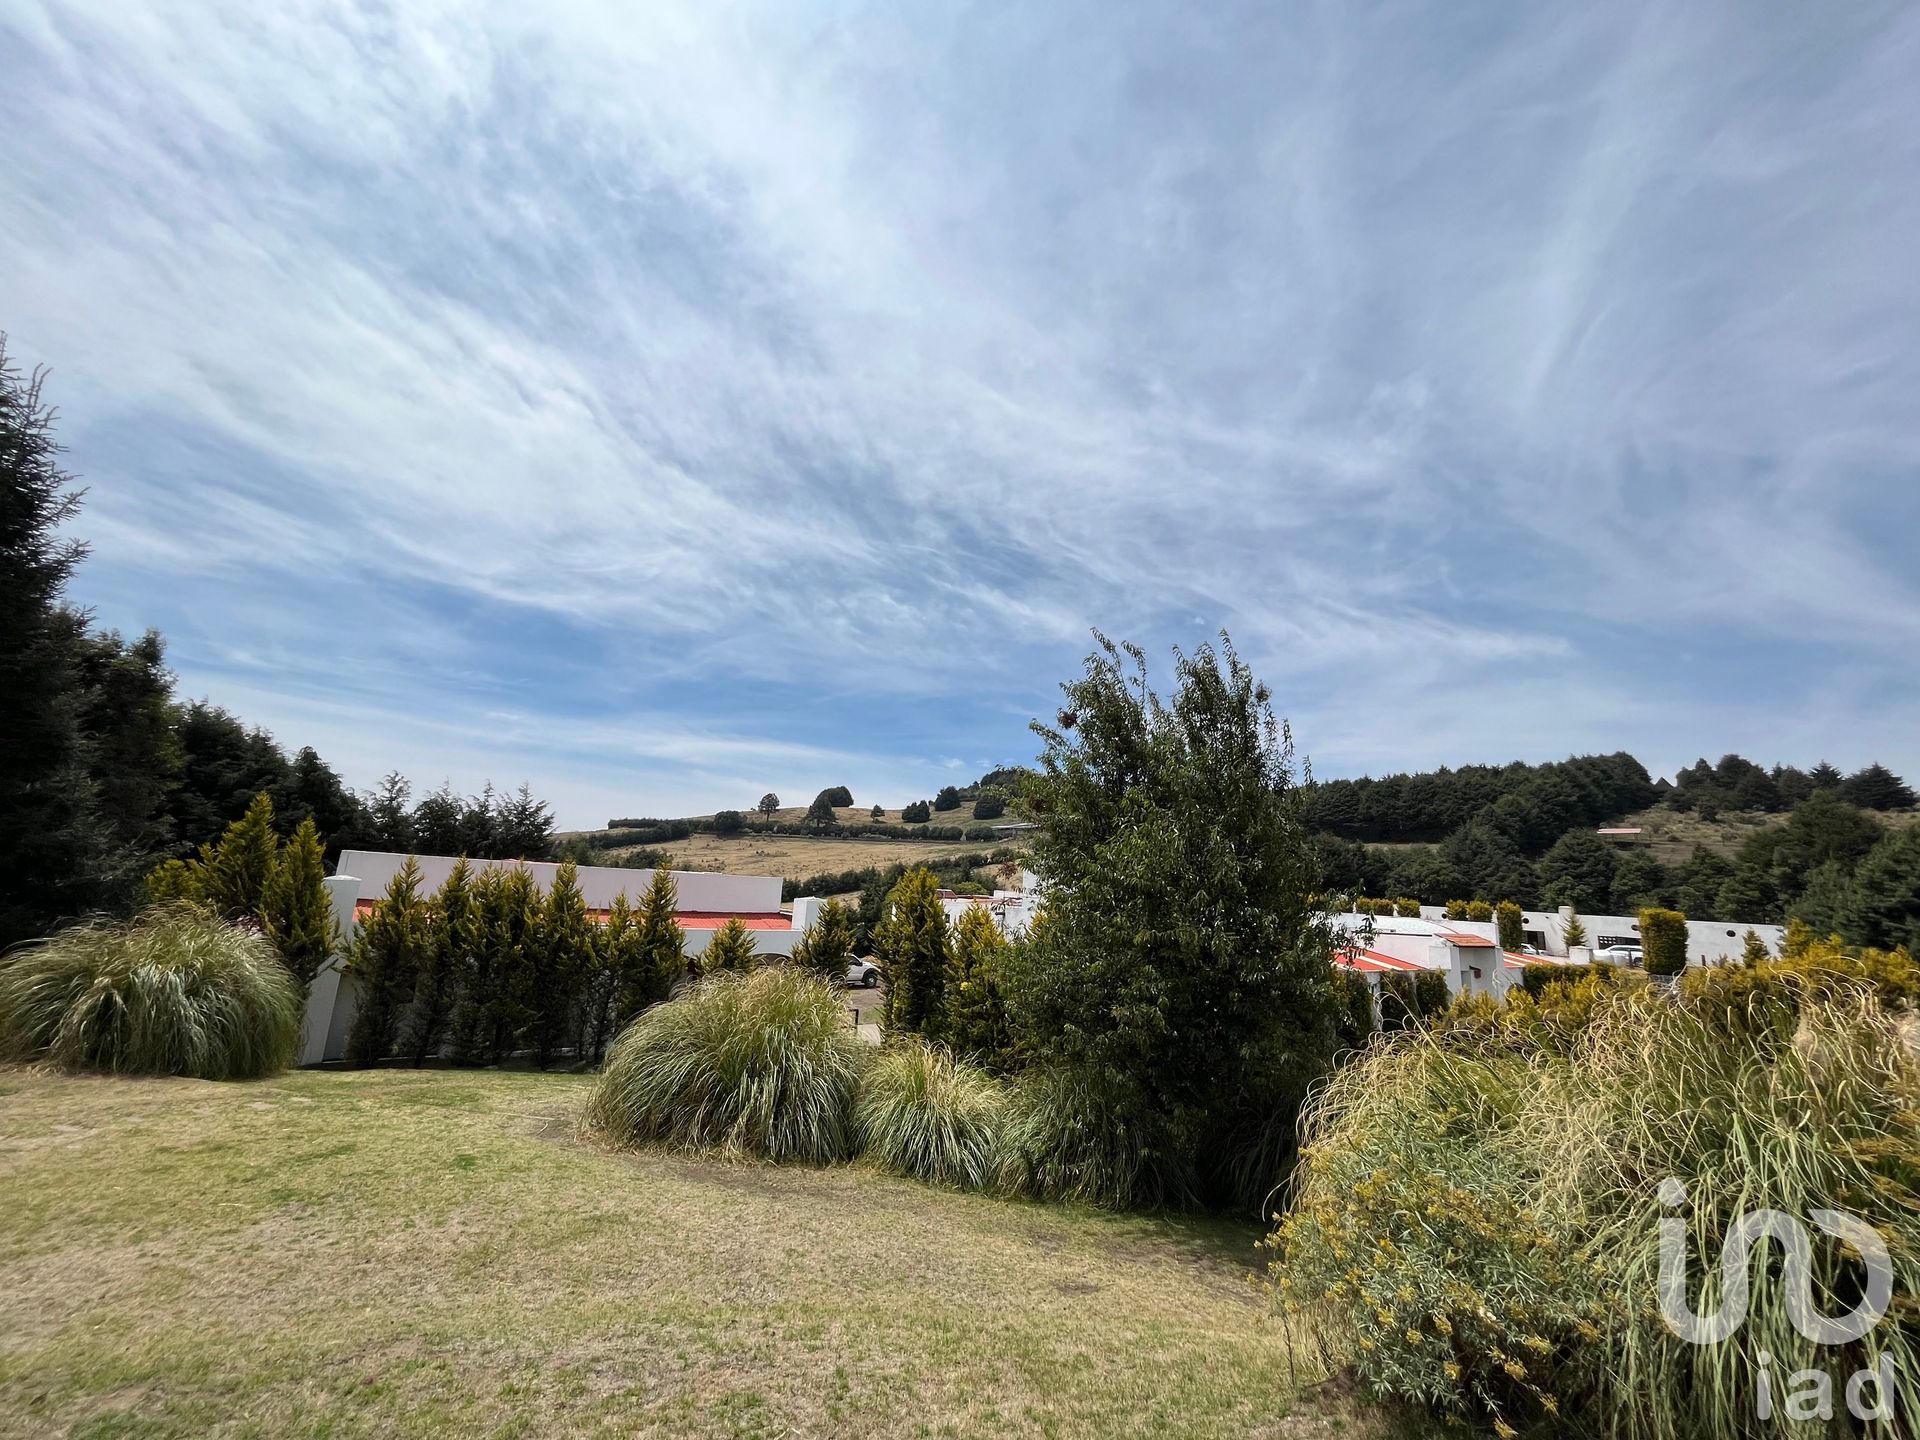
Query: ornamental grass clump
[1069,1135]
[761,1064]
[1476,1222]
[176,991]
[927,1115]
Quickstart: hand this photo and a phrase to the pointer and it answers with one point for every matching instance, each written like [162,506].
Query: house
[1709,942]
[1467,953]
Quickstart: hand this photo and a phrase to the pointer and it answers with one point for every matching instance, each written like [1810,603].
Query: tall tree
[238,870]
[974,1022]
[562,957]
[389,950]
[57,851]
[827,946]
[769,803]
[614,959]
[912,944]
[128,718]
[820,814]
[659,949]
[1578,871]
[1877,788]
[389,820]
[297,914]
[456,935]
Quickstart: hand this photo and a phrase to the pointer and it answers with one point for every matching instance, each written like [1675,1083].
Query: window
[1609,941]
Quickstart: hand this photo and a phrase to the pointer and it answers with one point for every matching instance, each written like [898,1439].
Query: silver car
[864,974]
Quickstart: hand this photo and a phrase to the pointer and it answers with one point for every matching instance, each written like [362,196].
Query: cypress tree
[731,949]
[561,957]
[454,938]
[975,1021]
[827,947]
[239,868]
[470,1026]
[912,944]
[1512,925]
[512,931]
[614,952]
[389,951]
[299,919]
[659,957]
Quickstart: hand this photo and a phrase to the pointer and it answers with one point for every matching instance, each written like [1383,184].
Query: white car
[1622,955]
[863,973]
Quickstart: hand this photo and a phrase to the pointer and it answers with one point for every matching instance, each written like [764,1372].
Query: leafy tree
[912,944]
[989,807]
[238,869]
[729,822]
[769,803]
[1877,788]
[1664,934]
[879,812]
[297,913]
[1185,964]
[820,814]
[1578,870]
[455,934]
[1638,880]
[917,813]
[838,795]
[57,848]
[390,948]
[827,946]
[731,949]
[1512,925]
[659,954]
[561,959]
[974,1022]
[948,798]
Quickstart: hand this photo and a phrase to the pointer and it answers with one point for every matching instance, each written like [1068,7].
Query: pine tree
[659,950]
[1753,950]
[827,947]
[614,950]
[388,817]
[470,1025]
[974,1022]
[297,914]
[512,931]
[1576,932]
[456,936]
[239,868]
[912,944]
[389,950]
[731,949]
[172,881]
[562,958]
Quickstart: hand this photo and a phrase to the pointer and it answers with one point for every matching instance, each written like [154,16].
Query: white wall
[697,889]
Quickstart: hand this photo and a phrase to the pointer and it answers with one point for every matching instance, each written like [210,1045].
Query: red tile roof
[1455,937]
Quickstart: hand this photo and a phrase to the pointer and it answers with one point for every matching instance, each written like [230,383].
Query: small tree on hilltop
[990,806]
[948,798]
[731,949]
[236,871]
[1663,933]
[917,813]
[729,822]
[838,795]
[820,814]
[389,951]
[912,944]
[975,1019]
[827,946]
[1512,922]
[455,934]
[769,803]
[879,812]
[659,950]
[298,917]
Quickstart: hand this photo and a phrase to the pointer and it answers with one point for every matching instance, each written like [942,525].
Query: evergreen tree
[456,936]
[912,945]
[1663,933]
[524,828]
[238,870]
[948,798]
[57,850]
[389,950]
[1825,776]
[1883,895]
[1512,925]
[879,812]
[974,1022]
[827,946]
[1578,870]
[1457,909]
[614,952]
[659,958]
[917,812]
[512,933]
[470,1023]
[1877,788]
[1753,950]
[769,803]
[1638,880]
[820,814]
[389,819]
[127,717]
[176,880]
[297,914]
[561,959]
[1576,931]
[1697,882]
[731,949]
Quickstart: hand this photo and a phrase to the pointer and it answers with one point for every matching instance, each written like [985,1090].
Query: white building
[1709,942]
[1468,954]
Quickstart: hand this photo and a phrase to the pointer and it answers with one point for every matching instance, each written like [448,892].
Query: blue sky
[664,403]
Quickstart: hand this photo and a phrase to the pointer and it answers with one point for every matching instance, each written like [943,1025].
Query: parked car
[863,973]
[1622,955]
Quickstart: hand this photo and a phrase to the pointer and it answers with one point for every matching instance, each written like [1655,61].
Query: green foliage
[615,952]
[296,911]
[173,881]
[1663,933]
[1875,902]
[911,942]
[974,1019]
[1408,997]
[917,813]
[561,959]
[989,806]
[730,950]
[1512,924]
[769,803]
[659,950]
[1753,950]
[1576,931]
[390,949]
[838,796]
[236,872]
[729,822]
[1529,804]
[455,935]
[1578,870]
[948,798]
[1407,907]
[1456,909]
[826,949]
[878,812]
[493,1010]
[1474,1229]
[176,991]
[1877,788]
[927,1115]
[820,814]
[1070,1133]
[1481,910]
[1354,997]
[758,1064]
[1178,873]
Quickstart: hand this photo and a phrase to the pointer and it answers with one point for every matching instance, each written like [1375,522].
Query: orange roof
[1454,937]
[1373,960]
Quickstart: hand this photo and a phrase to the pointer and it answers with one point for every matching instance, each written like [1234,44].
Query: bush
[175,991]
[759,1064]
[1069,1135]
[924,1114]
[728,822]
[1481,910]
[1476,1229]
[989,807]
[1664,933]
[1407,908]
[1456,909]
[918,813]
[1512,921]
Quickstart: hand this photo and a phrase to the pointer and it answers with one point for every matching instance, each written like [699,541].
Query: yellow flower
[1515,1369]
[1504,1430]
[1453,1370]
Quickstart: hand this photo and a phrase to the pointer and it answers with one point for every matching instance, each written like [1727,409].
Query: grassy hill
[1672,834]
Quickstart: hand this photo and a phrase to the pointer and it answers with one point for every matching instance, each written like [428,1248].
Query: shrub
[731,948]
[728,822]
[974,1012]
[989,807]
[925,1114]
[1069,1134]
[918,813]
[758,1064]
[1407,908]
[1481,910]
[1664,934]
[1511,920]
[947,798]
[1477,1229]
[1456,909]
[827,947]
[176,991]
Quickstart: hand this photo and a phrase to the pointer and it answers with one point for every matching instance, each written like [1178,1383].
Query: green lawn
[408,1253]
